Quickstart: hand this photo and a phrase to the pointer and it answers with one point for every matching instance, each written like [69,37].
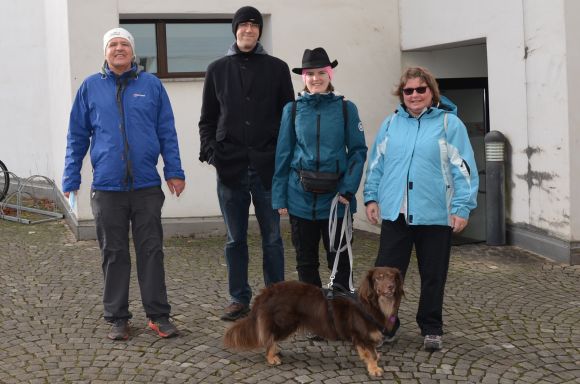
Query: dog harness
[341,292]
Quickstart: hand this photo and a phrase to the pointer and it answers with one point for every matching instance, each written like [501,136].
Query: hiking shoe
[163,326]
[433,342]
[313,336]
[234,311]
[119,329]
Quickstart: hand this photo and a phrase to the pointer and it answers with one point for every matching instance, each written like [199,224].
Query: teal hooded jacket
[430,159]
[318,141]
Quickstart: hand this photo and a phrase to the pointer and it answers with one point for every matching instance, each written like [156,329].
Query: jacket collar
[234,50]
[131,73]
[315,99]
[445,106]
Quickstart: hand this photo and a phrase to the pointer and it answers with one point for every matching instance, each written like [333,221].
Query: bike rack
[36,188]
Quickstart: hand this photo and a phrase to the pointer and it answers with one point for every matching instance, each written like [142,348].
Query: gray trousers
[115,213]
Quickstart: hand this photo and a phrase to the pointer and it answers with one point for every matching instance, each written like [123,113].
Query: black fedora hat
[315,58]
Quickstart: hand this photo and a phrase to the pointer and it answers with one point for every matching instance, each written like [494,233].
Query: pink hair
[327,69]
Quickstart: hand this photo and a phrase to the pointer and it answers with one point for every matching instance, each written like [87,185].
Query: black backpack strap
[294,113]
[345,115]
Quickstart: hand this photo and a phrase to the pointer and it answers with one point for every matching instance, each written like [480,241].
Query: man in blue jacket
[243,97]
[125,116]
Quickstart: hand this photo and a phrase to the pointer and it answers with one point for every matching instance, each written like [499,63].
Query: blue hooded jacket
[318,141]
[429,158]
[128,122]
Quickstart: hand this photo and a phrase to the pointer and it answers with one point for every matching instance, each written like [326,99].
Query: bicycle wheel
[4,181]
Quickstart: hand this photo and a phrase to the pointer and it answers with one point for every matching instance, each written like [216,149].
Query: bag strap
[345,234]
[344,115]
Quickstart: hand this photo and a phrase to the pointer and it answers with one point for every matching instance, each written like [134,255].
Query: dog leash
[345,234]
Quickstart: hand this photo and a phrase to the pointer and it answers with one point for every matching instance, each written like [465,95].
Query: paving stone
[510,317]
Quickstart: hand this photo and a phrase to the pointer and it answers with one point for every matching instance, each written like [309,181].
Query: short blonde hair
[423,74]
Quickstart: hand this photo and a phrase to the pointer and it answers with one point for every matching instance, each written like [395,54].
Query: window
[179,48]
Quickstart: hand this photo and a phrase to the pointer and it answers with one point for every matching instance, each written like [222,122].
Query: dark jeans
[433,247]
[306,236]
[114,213]
[235,207]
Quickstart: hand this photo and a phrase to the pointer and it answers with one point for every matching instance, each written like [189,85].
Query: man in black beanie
[243,97]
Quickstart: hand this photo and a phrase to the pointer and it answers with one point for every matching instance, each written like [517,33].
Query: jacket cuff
[461,212]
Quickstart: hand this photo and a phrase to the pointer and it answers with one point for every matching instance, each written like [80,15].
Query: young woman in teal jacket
[421,184]
[321,132]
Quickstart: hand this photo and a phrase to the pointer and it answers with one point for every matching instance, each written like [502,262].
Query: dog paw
[376,372]
[274,360]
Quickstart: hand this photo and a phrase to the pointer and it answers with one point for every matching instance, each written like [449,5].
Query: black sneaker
[119,329]
[164,327]
[234,311]
[313,336]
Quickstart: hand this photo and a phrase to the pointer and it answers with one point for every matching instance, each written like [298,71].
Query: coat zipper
[317,161]
[410,219]
[121,85]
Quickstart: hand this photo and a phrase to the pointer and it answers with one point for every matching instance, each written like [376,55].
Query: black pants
[433,247]
[306,236]
[114,212]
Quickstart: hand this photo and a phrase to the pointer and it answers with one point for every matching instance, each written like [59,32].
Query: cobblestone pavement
[511,317]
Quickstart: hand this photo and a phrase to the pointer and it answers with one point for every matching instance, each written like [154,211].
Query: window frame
[161,43]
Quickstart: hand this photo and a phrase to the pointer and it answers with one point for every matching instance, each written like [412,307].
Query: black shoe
[234,311]
[164,327]
[119,329]
[313,336]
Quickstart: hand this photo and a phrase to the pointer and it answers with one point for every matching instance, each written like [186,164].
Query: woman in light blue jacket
[322,133]
[421,183]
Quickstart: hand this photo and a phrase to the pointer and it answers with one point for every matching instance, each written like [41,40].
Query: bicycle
[4,181]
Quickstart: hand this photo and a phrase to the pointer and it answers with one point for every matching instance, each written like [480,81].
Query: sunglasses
[409,91]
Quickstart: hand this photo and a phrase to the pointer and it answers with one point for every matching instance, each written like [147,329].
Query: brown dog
[284,308]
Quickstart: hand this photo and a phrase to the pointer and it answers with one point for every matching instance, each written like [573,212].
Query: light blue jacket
[318,141]
[432,161]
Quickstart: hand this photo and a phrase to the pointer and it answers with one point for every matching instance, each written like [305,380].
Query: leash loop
[345,235]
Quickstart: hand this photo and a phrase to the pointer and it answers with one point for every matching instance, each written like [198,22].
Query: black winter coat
[243,98]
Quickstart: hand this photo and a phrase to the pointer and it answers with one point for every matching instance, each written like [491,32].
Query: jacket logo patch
[360,126]
[139,95]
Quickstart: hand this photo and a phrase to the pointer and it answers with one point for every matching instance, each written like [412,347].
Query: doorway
[472,99]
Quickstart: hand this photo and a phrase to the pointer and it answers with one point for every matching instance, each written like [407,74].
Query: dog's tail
[243,335]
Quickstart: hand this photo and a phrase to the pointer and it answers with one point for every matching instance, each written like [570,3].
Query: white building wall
[572,24]
[24,97]
[362,36]
[526,87]
[548,173]
[528,49]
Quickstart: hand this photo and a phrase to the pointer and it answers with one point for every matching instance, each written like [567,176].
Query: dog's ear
[367,290]
[399,282]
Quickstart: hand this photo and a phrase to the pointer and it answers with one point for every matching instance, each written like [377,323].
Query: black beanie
[244,14]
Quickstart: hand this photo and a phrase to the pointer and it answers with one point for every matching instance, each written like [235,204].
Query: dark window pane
[191,47]
[145,45]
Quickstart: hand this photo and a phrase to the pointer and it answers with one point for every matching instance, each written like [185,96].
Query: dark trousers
[235,207]
[114,213]
[306,236]
[433,247]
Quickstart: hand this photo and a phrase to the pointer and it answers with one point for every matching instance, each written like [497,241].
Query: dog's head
[382,281]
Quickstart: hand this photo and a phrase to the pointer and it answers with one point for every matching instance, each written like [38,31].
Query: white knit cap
[118,32]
